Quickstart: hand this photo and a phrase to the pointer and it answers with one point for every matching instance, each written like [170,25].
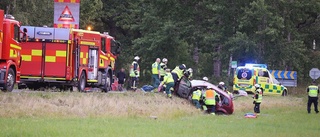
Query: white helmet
[221,83]
[257,85]
[205,78]
[184,65]
[190,70]
[136,58]
[164,60]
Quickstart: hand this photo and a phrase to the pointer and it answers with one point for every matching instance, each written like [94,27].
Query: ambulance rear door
[243,79]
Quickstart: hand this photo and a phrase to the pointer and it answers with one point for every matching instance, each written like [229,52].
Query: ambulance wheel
[285,93]
[107,85]
[82,82]
[11,79]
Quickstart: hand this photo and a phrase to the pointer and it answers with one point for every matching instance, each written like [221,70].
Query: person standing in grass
[257,99]
[121,75]
[156,73]
[135,73]
[313,92]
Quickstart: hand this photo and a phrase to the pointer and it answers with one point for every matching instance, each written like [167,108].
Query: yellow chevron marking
[279,74]
[272,73]
[291,75]
[285,74]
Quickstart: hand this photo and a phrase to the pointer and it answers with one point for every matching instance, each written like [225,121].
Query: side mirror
[118,50]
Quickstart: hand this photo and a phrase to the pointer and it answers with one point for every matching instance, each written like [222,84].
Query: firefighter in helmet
[135,73]
[163,67]
[257,99]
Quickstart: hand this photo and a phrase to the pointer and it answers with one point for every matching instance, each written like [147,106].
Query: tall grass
[129,104]
[96,104]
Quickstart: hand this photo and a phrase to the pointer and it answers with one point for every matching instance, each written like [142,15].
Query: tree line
[205,35]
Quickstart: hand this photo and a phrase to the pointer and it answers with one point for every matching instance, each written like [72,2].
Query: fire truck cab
[10,51]
[66,58]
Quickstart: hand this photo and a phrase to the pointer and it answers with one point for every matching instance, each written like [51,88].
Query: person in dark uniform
[313,92]
[121,75]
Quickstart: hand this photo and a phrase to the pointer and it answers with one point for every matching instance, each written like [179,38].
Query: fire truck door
[32,58]
[93,64]
[55,60]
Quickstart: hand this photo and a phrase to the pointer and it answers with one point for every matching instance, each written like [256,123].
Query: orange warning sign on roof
[66,15]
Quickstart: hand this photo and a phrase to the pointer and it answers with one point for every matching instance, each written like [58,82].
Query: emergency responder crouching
[257,99]
[196,95]
[210,100]
[169,82]
[313,92]
[134,73]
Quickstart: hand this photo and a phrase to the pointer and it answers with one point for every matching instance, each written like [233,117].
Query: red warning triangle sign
[66,15]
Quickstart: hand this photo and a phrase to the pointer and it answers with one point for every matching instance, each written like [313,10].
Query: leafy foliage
[279,33]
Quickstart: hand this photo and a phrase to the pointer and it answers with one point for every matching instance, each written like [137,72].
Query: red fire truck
[10,49]
[66,58]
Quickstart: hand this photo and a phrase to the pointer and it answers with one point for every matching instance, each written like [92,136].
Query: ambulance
[245,77]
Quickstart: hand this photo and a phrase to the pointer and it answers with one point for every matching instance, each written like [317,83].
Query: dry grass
[96,104]
[128,104]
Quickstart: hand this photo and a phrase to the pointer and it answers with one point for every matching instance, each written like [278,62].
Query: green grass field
[133,114]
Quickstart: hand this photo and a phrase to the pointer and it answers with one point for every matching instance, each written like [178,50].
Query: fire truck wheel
[11,79]
[82,82]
